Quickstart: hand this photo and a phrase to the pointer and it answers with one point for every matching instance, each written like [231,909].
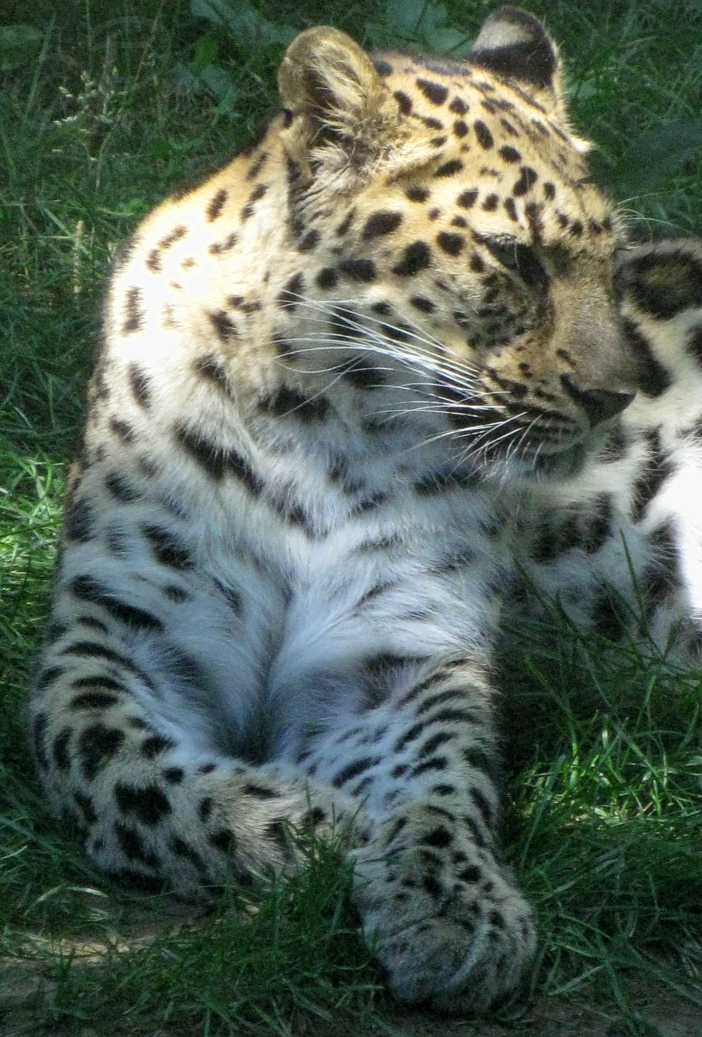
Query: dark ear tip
[662,279]
[517,16]
[514,44]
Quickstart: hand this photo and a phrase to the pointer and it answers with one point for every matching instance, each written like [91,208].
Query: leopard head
[447,240]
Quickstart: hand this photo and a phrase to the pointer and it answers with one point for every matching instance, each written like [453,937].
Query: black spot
[450,168]
[156,744]
[166,547]
[433,743]
[140,385]
[511,209]
[471,874]
[423,304]
[223,325]
[362,374]
[289,402]
[282,346]
[175,593]
[343,324]
[204,808]
[609,615]
[86,806]
[467,199]
[257,193]
[260,792]
[362,270]
[289,297]
[215,460]
[87,588]
[123,430]
[509,154]
[404,101]
[60,752]
[353,770]
[133,315]
[458,106]
[97,745]
[228,243]
[148,803]
[651,377]
[693,346]
[436,763]
[309,241]
[381,223]
[663,576]
[223,840]
[550,194]
[483,805]
[327,278]
[485,138]
[491,202]
[615,446]
[120,488]
[345,223]
[215,205]
[173,775]
[184,850]
[657,468]
[383,68]
[79,521]
[93,699]
[211,369]
[460,128]
[415,257]
[417,194]
[257,165]
[175,235]
[450,243]
[439,837]
[434,92]
[132,845]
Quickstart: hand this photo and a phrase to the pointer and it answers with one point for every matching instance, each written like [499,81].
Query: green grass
[104,108]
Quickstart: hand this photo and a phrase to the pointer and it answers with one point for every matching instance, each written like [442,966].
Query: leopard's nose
[598,404]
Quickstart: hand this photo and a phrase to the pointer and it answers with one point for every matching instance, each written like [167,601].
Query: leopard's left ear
[661,280]
[340,114]
[516,47]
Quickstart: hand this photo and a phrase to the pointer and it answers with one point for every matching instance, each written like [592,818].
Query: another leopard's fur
[333,381]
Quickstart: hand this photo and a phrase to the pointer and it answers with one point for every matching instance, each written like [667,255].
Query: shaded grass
[112,114]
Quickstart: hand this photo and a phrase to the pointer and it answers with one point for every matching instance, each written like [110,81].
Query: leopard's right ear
[340,114]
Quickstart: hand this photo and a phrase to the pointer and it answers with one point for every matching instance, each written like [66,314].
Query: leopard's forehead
[491,154]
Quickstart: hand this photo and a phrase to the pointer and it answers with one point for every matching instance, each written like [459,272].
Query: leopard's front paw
[446,923]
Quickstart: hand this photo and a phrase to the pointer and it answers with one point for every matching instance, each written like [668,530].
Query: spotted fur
[329,379]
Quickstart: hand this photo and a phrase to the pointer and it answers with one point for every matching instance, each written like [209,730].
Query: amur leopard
[345,390]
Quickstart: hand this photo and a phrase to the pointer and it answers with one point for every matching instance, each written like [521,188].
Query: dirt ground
[25,990]
[663,1013]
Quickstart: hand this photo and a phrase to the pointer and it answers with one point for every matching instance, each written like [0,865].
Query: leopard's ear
[515,46]
[661,280]
[339,112]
